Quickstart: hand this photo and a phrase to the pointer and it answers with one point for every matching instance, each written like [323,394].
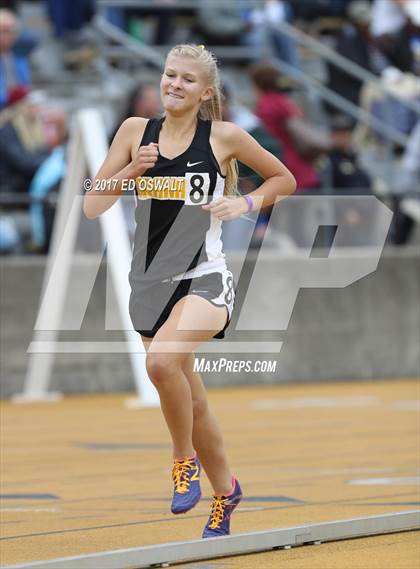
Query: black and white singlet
[175,238]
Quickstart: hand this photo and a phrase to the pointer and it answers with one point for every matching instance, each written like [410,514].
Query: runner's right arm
[118,166]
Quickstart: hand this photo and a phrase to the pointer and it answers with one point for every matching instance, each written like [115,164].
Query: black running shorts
[150,308]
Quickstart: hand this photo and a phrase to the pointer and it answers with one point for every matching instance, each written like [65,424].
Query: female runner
[182,292]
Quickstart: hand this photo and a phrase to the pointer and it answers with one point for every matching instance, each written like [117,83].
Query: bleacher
[117,60]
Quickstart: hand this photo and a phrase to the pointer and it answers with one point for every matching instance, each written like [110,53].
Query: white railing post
[88,147]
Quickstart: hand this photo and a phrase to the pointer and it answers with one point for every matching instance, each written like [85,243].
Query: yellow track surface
[87,475]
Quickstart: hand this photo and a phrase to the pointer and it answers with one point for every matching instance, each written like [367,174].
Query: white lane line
[30,510]
[407,481]
[320,402]
[407,405]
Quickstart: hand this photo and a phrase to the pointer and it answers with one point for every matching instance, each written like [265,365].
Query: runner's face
[183,85]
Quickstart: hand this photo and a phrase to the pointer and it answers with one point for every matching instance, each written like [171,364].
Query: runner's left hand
[227,208]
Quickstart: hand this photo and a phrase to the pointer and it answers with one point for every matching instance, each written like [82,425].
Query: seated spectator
[248,179]
[69,16]
[18,159]
[131,18]
[9,235]
[144,101]
[356,44]
[395,26]
[388,105]
[27,39]
[14,69]
[31,142]
[346,173]
[220,23]
[348,178]
[284,119]
[75,46]
[263,21]
[46,182]
[12,5]
[311,9]
[407,204]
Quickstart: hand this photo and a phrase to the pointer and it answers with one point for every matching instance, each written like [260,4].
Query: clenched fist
[145,158]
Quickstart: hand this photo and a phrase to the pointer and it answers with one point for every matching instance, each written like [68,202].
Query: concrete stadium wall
[368,330]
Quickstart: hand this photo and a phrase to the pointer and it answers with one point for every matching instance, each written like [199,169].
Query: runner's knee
[200,407]
[161,366]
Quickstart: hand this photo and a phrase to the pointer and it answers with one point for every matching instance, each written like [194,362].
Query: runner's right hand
[145,158]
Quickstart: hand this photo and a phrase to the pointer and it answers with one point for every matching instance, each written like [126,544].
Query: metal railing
[16,199]
[164,4]
[327,94]
[114,33]
[343,63]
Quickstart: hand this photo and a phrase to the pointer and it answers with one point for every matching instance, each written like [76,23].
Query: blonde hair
[211,109]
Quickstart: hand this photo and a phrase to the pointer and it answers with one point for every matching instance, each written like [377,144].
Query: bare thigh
[192,321]
[181,343]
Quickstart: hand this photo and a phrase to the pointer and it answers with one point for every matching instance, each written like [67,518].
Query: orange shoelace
[180,475]
[217,512]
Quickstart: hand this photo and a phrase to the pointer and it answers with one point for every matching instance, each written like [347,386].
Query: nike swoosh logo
[191,164]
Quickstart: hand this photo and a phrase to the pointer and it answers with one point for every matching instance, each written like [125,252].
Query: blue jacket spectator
[14,70]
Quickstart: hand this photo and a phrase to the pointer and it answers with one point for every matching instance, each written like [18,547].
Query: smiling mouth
[175,96]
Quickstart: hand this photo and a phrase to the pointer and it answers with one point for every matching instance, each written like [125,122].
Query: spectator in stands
[248,179]
[348,178]
[47,181]
[356,44]
[407,204]
[396,26]
[14,69]
[389,109]
[69,16]
[27,39]
[12,5]
[130,19]
[347,175]
[302,143]
[19,156]
[76,47]
[220,23]
[263,22]
[311,9]
[29,139]
[144,101]
[9,235]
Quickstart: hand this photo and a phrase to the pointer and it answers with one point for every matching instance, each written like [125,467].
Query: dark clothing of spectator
[17,164]
[311,9]
[220,22]
[69,16]
[346,174]
[266,141]
[397,49]
[353,45]
[165,26]
[12,5]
